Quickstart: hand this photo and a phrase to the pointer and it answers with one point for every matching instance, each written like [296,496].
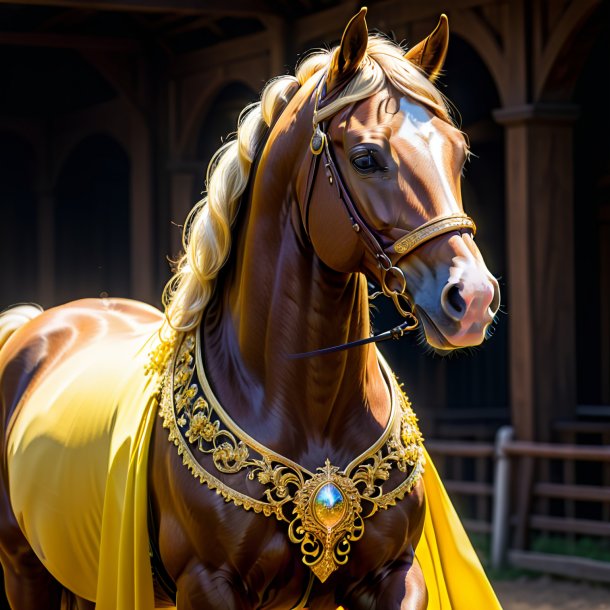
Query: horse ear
[430,53]
[346,60]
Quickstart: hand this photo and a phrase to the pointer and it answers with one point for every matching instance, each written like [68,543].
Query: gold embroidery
[328,507]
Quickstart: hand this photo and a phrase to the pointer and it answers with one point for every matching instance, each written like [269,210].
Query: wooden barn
[111,109]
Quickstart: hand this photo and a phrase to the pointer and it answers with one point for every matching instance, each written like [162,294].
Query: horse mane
[207,235]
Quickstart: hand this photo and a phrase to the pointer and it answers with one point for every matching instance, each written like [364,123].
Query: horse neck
[277,298]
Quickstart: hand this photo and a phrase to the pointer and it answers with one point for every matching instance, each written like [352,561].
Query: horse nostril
[453,303]
[455,300]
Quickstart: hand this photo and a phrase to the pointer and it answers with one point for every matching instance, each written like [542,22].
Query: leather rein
[322,152]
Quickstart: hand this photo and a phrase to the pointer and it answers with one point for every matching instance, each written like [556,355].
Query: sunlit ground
[545,593]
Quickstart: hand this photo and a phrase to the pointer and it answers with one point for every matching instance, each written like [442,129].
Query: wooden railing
[506,453]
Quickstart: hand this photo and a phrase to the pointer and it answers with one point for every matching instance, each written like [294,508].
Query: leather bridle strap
[321,148]
[394,333]
[406,244]
[358,223]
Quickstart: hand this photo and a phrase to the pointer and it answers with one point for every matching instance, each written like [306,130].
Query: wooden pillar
[540,209]
[277,30]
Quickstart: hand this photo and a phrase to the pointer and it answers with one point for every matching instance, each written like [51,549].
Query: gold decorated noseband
[432,228]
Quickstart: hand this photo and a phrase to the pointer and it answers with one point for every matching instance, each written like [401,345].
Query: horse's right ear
[346,60]
[430,53]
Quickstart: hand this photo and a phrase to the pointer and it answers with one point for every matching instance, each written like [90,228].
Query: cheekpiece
[325,510]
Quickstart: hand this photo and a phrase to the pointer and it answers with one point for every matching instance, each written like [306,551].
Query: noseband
[322,150]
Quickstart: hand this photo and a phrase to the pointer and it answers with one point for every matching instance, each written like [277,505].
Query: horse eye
[366,163]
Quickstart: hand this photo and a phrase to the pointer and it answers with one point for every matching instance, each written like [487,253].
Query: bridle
[322,152]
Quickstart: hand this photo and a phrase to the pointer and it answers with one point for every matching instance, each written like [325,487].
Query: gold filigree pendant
[328,519]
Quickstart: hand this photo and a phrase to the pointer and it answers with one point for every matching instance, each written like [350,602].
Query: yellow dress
[77,460]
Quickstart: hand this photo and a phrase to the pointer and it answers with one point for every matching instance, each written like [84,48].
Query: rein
[322,151]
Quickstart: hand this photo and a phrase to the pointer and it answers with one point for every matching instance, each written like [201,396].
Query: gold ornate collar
[325,510]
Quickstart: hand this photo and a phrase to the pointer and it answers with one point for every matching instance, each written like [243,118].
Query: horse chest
[253,555]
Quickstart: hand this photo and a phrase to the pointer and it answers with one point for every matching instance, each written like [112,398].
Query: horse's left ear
[346,60]
[430,53]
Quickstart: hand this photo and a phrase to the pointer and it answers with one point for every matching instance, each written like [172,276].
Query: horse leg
[27,583]
[403,588]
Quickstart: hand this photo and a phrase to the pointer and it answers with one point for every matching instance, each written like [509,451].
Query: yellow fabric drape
[453,573]
[77,459]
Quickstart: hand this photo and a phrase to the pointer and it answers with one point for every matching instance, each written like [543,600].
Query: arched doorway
[19,226]
[92,223]
[219,123]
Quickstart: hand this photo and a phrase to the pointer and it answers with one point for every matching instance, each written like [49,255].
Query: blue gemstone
[329,505]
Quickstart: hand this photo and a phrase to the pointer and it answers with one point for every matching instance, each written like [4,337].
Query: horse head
[381,192]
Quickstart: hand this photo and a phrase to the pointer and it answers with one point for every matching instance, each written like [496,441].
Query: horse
[279,475]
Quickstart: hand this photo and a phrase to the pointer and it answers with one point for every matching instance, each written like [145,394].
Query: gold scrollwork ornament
[327,513]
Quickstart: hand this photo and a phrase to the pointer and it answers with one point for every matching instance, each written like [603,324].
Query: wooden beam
[460,448]
[200,23]
[476,526]
[321,25]
[562,565]
[572,492]
[65,18]
[160,23]
[588,527]
[68,41]
[234,8]
[150,30]
[469,488]
[556,451]
[399,10]
[230,50]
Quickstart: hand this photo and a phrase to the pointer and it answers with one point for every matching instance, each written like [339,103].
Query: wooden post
[501,499]
[277,30]
[539,204]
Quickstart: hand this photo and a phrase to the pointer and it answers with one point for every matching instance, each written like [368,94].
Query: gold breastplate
[325,510]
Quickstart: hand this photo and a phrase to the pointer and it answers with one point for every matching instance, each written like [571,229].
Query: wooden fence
[512,495]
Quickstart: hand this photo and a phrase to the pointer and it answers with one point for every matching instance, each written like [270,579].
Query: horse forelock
[207,234]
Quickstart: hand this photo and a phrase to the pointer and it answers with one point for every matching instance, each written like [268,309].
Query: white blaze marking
[417,129]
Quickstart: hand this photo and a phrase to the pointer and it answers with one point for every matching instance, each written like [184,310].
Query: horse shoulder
[62,332]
